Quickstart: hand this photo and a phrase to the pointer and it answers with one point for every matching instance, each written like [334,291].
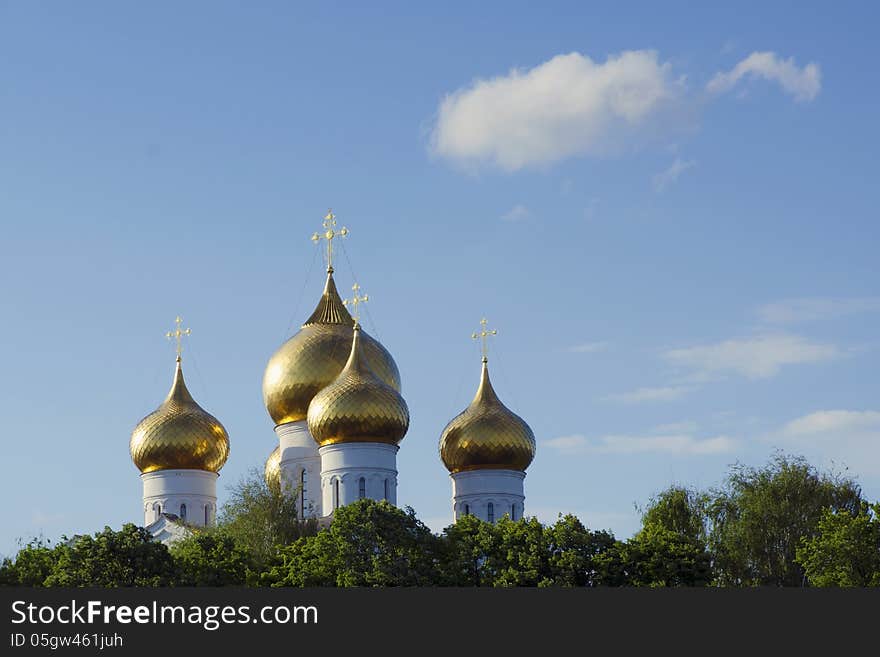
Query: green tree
[368,543]
[32,565]
[575,553]
[523,554]
[308,561]
[845,551]
[210,558]
[680,510]
[128,557]
[660,557]
[260,518]
[470,553]
[761,515]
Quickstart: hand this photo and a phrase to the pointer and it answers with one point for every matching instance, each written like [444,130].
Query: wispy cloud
[832,423]
[589,347]
[791,311]
[566,106]
[663,393]
[627,444]
[516,213]
[662,180]
[567,443]
[849,437]
[756,358]
[803,84]
[571,106]
[685,426]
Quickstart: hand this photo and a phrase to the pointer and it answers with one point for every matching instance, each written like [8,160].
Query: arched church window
[207,514]
[362,488]
[335,493]
[386,490]
[302,493]
[157,510]
[513,511]
[490,512]
[467,509]
[183,511]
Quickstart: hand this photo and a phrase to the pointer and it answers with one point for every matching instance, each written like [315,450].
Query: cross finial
[483,335]
[177,334]
[329,233]
[355,302]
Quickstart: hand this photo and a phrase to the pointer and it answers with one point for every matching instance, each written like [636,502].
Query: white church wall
[345,464]
[299,452]
[166,490]
[474,490]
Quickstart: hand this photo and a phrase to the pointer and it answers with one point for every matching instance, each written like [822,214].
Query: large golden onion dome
[272,471]
[487,435]
[179,434]
[358,406]
[315,356]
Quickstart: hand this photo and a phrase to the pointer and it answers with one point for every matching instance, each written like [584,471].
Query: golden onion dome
[179,434]
[358,406]
[315,356]
[272,471]
[487,435]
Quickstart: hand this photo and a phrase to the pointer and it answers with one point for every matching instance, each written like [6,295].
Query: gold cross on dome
[355,302]
[178,333]
[329,233]
[483,335]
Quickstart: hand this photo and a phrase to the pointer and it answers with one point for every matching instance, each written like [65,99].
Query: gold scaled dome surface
[487,435]
[179,434]
[272,471]
[315,356]
[358,406]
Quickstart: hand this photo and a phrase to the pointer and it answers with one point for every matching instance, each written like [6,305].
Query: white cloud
[833,422]
[624,444]
[589,347]
[838,437]
[662,180]
[567,443]
[790,311]
[685,426]
[567,106]
[756,358]
[516,213]
[664,393]
[802,83]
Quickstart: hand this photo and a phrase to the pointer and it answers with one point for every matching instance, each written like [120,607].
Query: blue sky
[668,213]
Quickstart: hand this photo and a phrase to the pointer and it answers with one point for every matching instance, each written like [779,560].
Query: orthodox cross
[329,233]
[355,302]
[483,335]
[177,334]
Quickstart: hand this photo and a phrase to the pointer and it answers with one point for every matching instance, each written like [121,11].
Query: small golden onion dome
[315,356]
[487,435]
[358,406]
[272,472]
[179,434]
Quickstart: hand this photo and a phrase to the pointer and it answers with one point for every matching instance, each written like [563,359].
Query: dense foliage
[761,515]
[845,550]
[784,524]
